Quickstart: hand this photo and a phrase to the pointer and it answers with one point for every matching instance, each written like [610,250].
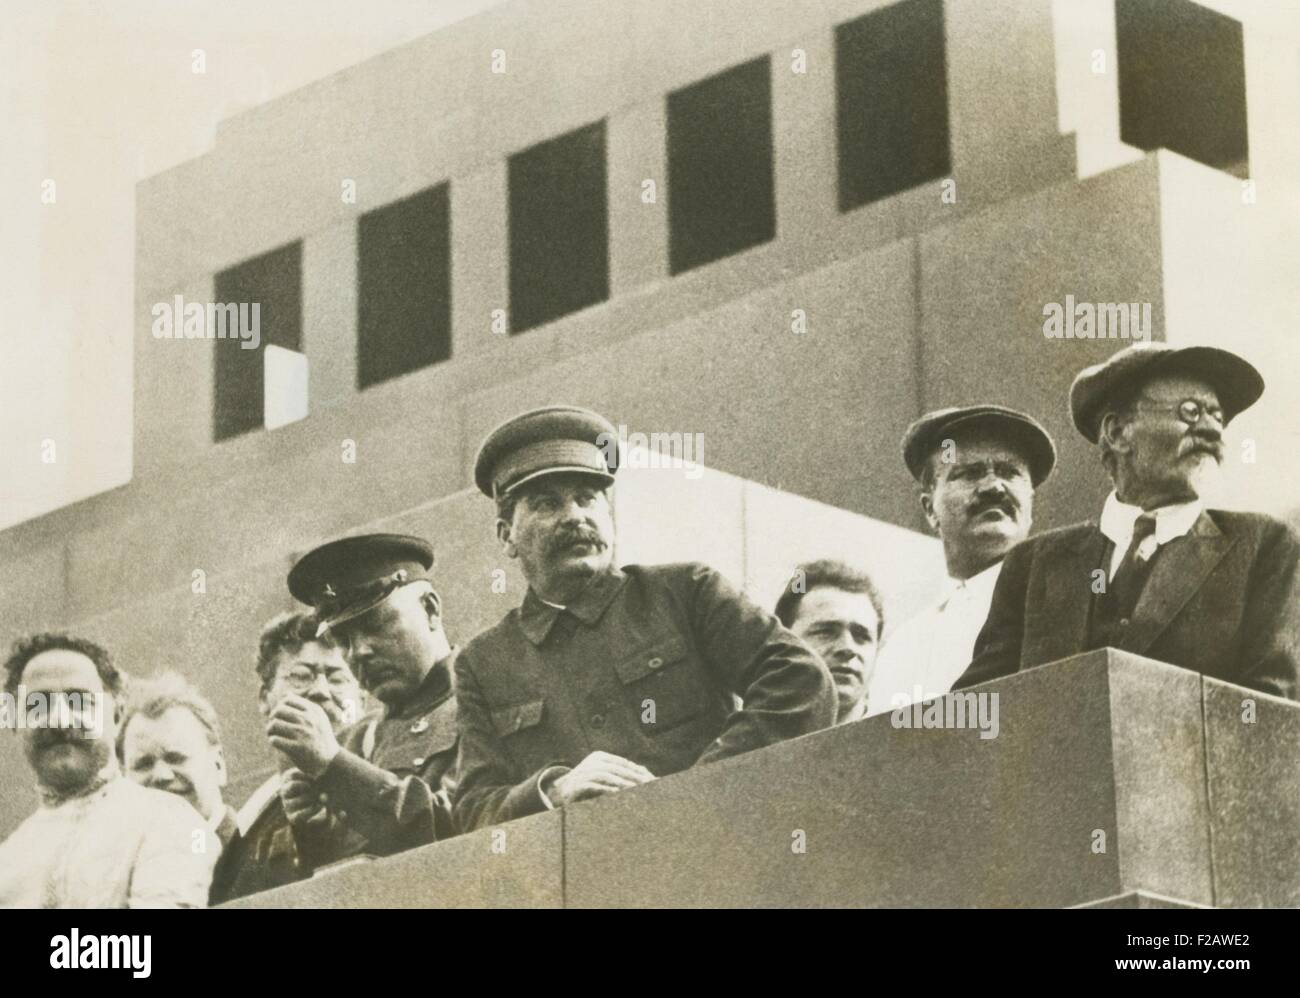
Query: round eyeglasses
[1189,411]
[300,678]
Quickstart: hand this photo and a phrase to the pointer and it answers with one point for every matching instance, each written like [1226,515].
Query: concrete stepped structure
[800,357]
[1114,781]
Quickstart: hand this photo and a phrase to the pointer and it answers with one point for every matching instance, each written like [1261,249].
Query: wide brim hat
[1235,380]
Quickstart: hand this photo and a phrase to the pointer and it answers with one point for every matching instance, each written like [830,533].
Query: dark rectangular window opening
[1182,82]
[721,197]
[891,85]
[559,227]
[272,281]
[404,286]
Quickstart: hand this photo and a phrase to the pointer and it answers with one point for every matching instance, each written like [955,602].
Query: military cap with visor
[552,440]
[345,578]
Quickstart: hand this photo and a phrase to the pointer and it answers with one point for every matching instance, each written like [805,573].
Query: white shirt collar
[978,583]
[1118,518]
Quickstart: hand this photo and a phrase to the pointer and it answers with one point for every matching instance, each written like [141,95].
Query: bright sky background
[97,95]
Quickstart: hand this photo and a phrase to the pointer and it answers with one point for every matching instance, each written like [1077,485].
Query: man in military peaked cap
[1159,574]
[391,777]
[608,677]
[978,467]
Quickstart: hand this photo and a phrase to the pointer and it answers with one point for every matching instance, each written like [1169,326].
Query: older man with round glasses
[1159,574]
[285,830]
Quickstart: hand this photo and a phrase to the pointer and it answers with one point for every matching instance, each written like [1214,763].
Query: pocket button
[655,662]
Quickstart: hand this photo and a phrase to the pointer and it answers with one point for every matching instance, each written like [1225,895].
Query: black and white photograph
[652,454]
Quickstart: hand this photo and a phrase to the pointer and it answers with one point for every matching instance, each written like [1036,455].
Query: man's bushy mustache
[1206,445]
[574,535]
[1004,502]
[50,737]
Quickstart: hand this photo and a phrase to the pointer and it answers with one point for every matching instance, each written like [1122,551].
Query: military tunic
[644,664]
[391,781]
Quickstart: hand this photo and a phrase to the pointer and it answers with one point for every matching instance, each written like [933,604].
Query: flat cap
[1236,381]
[345,578]
[1018,428]
[546,441]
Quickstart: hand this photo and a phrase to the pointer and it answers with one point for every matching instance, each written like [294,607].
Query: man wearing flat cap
[978,467]
[606,678]
[390,779]
[1159,574]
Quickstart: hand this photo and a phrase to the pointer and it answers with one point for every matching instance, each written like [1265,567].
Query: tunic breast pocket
[418,748]
[517,717]
[662,685]
[519,728]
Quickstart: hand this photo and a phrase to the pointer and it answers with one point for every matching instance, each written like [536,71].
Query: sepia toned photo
[594,454]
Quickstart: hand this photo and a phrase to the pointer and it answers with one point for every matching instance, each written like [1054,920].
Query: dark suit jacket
[1223,600]
[225,869]
[272,853]
[265,856]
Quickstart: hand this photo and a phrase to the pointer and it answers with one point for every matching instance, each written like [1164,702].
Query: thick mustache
[1002,502]
[1200,445]
[50,737]
[571,537]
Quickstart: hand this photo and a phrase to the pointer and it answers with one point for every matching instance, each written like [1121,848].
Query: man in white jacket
[978,467]
[97,840]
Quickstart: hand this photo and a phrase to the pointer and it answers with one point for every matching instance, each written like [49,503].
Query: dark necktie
[1132,573]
